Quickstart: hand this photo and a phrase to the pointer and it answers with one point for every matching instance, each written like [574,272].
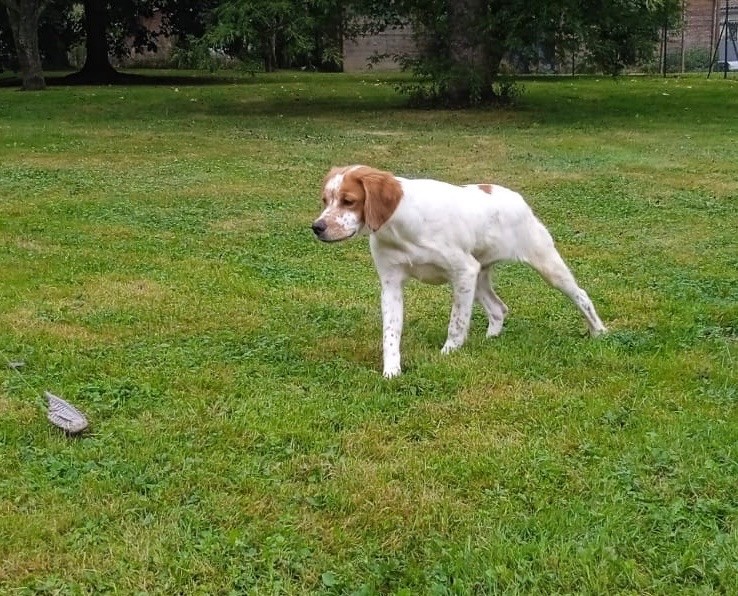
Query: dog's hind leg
[545,259]
[491,303]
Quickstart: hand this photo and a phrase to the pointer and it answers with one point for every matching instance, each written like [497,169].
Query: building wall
[357,52]
[164,43]
[699,24]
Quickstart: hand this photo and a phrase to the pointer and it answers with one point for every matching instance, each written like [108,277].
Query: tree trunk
[475,59]
[23,16]
[97,67]
[466,51]
[269,45]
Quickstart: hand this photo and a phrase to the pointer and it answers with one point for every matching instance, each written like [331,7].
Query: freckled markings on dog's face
[334,184]
[343,217]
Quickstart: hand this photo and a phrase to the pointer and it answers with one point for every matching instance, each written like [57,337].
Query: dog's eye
[347,202]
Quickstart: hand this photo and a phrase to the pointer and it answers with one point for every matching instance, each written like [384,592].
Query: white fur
[441,233]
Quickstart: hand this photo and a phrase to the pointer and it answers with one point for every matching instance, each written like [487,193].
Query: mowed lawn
[157,269]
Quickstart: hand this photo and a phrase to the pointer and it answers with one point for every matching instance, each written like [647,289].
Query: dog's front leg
[464,285]
[391,324]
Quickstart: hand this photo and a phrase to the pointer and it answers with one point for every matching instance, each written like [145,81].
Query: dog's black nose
[319,227]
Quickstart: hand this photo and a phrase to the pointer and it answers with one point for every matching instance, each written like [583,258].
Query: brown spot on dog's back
[485,188]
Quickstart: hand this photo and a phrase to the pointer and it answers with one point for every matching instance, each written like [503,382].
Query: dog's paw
[494,328]
[392,368]
[598,332]
[449,347]
[392,372]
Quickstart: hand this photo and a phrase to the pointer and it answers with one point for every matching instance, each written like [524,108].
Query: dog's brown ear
[382,195]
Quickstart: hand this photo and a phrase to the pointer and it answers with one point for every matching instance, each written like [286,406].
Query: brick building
[358,52]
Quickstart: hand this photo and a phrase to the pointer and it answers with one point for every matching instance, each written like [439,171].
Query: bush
[435,93]
[196,54]
[697,59]
[437,84]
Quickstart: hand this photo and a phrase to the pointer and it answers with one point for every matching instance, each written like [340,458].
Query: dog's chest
[424,264]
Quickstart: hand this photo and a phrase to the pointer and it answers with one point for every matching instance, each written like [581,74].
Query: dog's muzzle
[319,227]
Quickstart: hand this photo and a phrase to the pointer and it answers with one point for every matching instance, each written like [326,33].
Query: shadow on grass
[582,105]
[128,79]
[324,103]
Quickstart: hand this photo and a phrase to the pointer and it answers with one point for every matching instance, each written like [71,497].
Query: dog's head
[356,197]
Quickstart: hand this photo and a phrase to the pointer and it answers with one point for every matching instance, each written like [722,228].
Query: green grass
[158,270]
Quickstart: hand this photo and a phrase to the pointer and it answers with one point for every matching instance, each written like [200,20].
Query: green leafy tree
[100,24]
[105,28]
[106,24]
[463,42]
[615,34]
[112,27]
[278,33]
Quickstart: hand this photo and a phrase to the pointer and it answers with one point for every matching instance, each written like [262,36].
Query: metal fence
[706,41]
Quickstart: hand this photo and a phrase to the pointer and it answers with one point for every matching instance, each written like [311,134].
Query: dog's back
[490,222]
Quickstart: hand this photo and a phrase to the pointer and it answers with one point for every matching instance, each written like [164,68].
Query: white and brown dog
[437,232]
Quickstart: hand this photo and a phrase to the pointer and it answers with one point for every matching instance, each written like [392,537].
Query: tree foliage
[115,27]
[261,33]
[464,45]
[277,33]
[463,42]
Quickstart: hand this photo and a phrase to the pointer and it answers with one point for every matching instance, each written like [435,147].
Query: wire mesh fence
[706,40]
